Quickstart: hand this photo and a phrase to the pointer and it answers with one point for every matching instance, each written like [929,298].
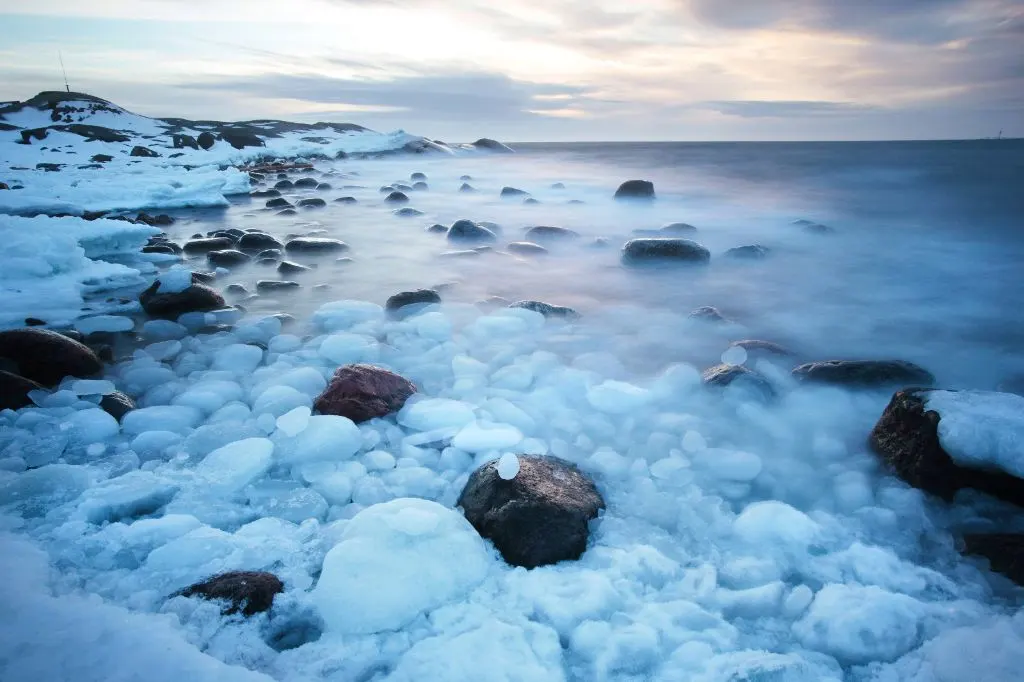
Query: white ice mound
[435,413]
[324,437]
[235,465]
[775,525]
[395,561]
[981,429]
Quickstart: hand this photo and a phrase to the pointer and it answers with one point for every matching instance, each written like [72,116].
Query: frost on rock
[396,560]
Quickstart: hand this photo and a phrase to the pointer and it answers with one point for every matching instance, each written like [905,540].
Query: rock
[346,200]
[14,390]
[161,220]
[635,189]
[206,140]
[207,244]
[466,187]
[757,345]
[306,183]
[640,251]
[811,226]
[749,252]
[364,392]
[670,230]
[386,189]
[417,176]
[420,186]
[314,202]
[240,140]
[324,186]
[507,192]
[468,231]
[547,310]
[530,201]
[865,373]
[34,322]
[462,253]
[408,212]
[249,592]
[196,298]
[550,233]
[465,178]
[279,202]
[287,212]
[236,289]
[396,198]
[707,313]
[101,158]
[182,141]
[907,438]
[492,145]
[722,376]
[228,258]
[275,254]
[527,248]
[160,248]
[287,267]
[418,298]
[49,167]
[283,184]
[143,152]
[46,357]
[540,517]
[275,285]
[437,228]
[558,185]
[255,241]
[1004,551]
[315,245]
[117,404]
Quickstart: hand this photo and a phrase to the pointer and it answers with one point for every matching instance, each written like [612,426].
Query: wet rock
[266,261]
[437,228]
[466,187]
[287,212]
[145,152]
[117,404]
[306,183]
[273,254]
[707,313]
[465,178]
[540,517]
[421,297]
[206,140]
[248,592]
[14,390]
[101,158]
[386,189]
[813,227]
[314,202]
[207,244]
[236,289]
[760,346]
[346,200]
[670,230]
[324,186]
[265,194]
[279,202]
[722,376]
[408,212]
[396,198]
[558,185]
[527,248]
[46,357]
[182,141]
[492,146]
[550,233]
[315,245]
[49,167]
[284,184]
[530,201]
[507,192]
[635,189]
[275,285]
[1004,551]
[203,277]
[364,392]
[196,298]
[420,186]
[227,258]
[287,267]
[547,310]
[640,251]
[402,187]
[749,252]
[865,373]
[255,241]
[160,248]
[417,176]
[240,140]
[468,231]
[34,322]
[159,220]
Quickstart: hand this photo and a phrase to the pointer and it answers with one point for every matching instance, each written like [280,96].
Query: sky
[525,70]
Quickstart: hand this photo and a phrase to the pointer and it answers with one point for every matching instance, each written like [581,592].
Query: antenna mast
[64,71]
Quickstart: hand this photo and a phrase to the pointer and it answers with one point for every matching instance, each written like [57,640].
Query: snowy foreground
[741,540]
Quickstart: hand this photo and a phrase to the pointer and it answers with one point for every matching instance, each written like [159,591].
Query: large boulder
[172,304]
[944,441]
[364,392]
[257,241]
[14,391]
[536,510]
[1004,551]
[46,357]
[419,298]
[635,189]
[864,373]
[641,251]
[315,245]
[182,141]
[468,231]
[248,592]
[206,140]
[492,145]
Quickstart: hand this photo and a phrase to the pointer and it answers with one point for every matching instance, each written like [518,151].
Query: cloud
[785,109]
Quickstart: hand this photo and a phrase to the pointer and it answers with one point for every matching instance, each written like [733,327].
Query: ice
[93,387]
[508,466]
[732,465]
[104,323]
[176,418]
[797,601]
[735,355]
[90,426]
[395,561]
[776,525]
[239,358]
[379,460]
[325,437]
[286,501]
[345,349]
[482,437]
[293,422]
[305,379]
[427,414]
[36,491]
[154,444]
[209,395]
[981,429]
[694,442]
[137,493]
[174,281]
[163,330]
[617,397]
[278,400]
[234,466]
[164,350]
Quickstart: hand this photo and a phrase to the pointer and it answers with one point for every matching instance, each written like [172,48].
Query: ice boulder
[482,437]
[46,357]
[233,466]
[240,358]
[429,414]
[248,592]
[364,392]
[539,516]
[324,437]
[396,560]
[137,493]
[176,418]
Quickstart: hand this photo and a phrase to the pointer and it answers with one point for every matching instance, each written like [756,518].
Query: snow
[981,429]
[508,466]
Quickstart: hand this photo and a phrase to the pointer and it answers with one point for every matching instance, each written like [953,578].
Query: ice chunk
[427,414]
[617,397]
[797,601]
[735,355]
[163,350]
[755,602]
[981,429]
[287,501]
[176,418]
[345,349]
[175,281]
[508,466]
[764,666]
[234,466]
[239,358]
[134,494]
[378,460]
[396,560]
[480,437]
[277,400]
[304,379]
[293,422]
[104,323]
[731,465]
[775,524]
[326,436]
[36,491]
[284,343]
[92,387]
[154,444]
[188,555]
[163,330]
[344,314]
[90,426]
[209,395]
[694,442]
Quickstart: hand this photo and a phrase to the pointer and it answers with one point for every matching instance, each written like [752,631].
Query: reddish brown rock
[250,592]
[364,392]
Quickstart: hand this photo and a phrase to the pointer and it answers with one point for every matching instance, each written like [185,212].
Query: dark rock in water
[315,202]
[315,245]
[492,145]
[386,189]
[182,141]
[420,186]
[640,251]
[540,517]
[757,345]
[207,244]
[419,298]
[241,140]
[558,185]
[402,187]
[143,152]
[14,390]
[287,267]
[396,198]
[197,298]
[408,212]
[635,189]
[46,357]
[364,392]
[463,253]
[530,201]
[346,200]
[306,183]
[438,228]
[547,310]
[811,226]
[324,186]
[117,404]
[1004,551]
[707,313]
[468,231]
[721,376]
[254,241]
[417,176]
[275,285]
[865,373]
[284,184]
[466,187]
[248,592]
[670,230]
[159,248]
[101,158]
[236,289]
[513,192]
[266,261]
[907,438]
[233,235]
[465,178]
[527,248]
[159,220]
[550,233]
[749,252]
[49,167]
[275,254]
[227,258]
[34,322]
[203,277]
[206,140]
[287,212]
[279,202]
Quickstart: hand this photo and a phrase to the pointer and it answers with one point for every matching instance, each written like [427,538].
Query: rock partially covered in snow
[395,561]
[728,375]
[640,251]
[865,373]
[364,392]
[538,517]
[171,305]
[942,441]
[46,357]
[250,592]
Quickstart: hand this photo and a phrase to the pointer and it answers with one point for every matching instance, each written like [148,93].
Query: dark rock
[36,133]
[275,254]
[49,167]
[101,158]
[540,517]
[811,226]
[1004,551]
[408,212]
[228,258]
[865,373]
[254,241]
[197,298]
[117,404]
[526,248]
[14,390]
[749,252]
[315,202]
[275,285]
[4,185]
[417,176]
[402,187]
[670,230]
[468,231]
[266,261]
[46,357]
[161,220]
[324,186]
[146,152]
[159,248]
[465,178]
[757,345]
[707,313]
[639,251]
[418,298]
[182,141]
[547,310]
[287,212]
[530,201]
[420,186]
[315,245]
[396,198]
[437,228]
[207,244]
[283,184]
[346,200]
[364,392]
[233,235]
[721,376]
[34,322]
[241,140]
[287,267]
[386,189]
[236,289]
[513,192]
[558,185]
[279,202]
[248,592]
[492,145]
[635,189]
[466,187]
[203,277]
[206,140]
[306,183]
[549,233]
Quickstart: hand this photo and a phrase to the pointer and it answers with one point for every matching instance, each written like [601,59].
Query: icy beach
[332,404]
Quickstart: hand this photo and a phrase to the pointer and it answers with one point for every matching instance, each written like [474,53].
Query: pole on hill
[64,71]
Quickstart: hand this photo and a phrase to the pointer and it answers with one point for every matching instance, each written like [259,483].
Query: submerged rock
[364,392]
[721,376]
[280,202]
[468,231]
[249,592]
[418,176]
[758,345]
[396,197]
[466,187]
[276,285]
[513,192]
[419,298]
[284,184]
[171,305]
[228,258]
[865,373]
[1004,551]
[207,244]
[257,241]
[550,233]
[437,228]
[526,248]
[547,310]
[748,252]
[492,145]
[408,212]
[635,189]
[640,251]
[306,183]
[346,200]
[45,357]
[707,313]
[539,516]
[315,245]
[287,267]
[314,202]
[670,230]
[14,390]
